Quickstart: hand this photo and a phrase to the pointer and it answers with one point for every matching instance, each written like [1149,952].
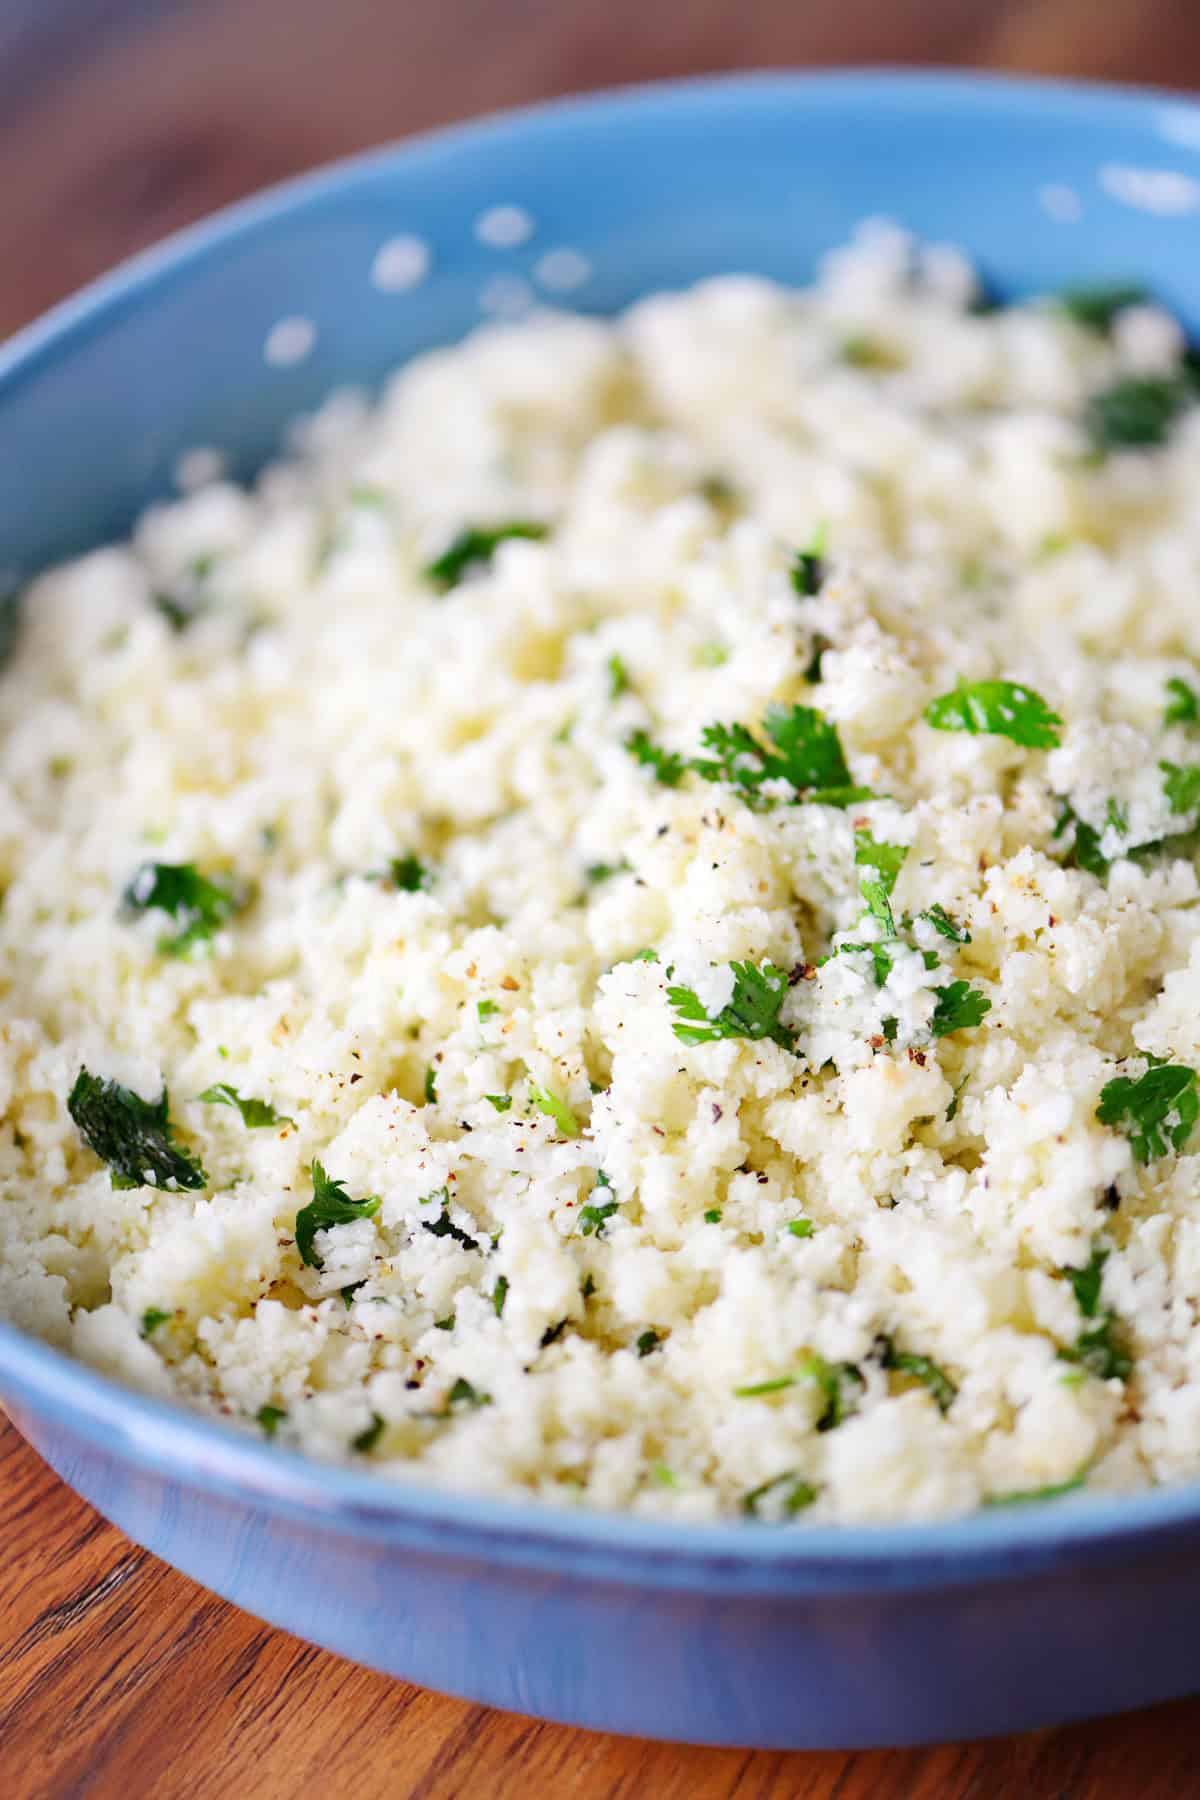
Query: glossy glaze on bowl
[210,345]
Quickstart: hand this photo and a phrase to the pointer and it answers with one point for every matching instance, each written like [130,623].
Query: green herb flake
[444,1226]
[885,862]
[668,766]
[464,1394]
[618,678]
[593,1219]
[446,1324]
[650,956]
[197,906]
[801,1228]
[1135,412]
[1083,851]
[501,1102]
[348,1292]
[602,871]
[751,1012]
[713,1216]
[556,1109]
[500,1295]
[997,709]
[921,1368]
[808,566]
[430,1088]
[270,1418]
[712,655]
[1096,306]
[133,1136]
[329,1206]
[486,1009]
[256,1114]
[959,1007]
[152,1318]
[1183,703]
[409,874]
[1181,785]
[648,1342]
[790,1491]
[945,923]
[1156,1111]
[840,1385]
[366,1440]
[476,545]
[1029,1496]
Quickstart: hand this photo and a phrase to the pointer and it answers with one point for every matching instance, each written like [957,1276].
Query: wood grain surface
[120,120]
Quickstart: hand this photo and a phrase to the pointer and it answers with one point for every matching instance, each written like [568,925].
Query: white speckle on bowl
[563,269]
[402,263]
[198,468]
[504,227]
[1180,125]
[506,296]
[289,342]
[1164,191]
[1060,203]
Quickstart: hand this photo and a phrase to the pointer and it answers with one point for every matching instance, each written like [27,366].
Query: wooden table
[119,120]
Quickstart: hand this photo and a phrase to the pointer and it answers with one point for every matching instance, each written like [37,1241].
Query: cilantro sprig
[1156,1110]
[133,1136]
[1135,412]
[752,1010]
[996,709]
[330,1205]
[802,749]
[197,905]
[1099,1347]
[958,1007]
[475,545]
[921,1368]
[255,1113]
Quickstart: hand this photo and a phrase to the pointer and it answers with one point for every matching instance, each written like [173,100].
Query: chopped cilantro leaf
[1097,306]
[668,766]
[801,1228]
[886,861]
[1156,1111]
[921,1368]
[812,671]
[1181,786]
[486,1009]
[501,1102]
[1116,816]
[1134,412]
[792,1491]
[133,1136]
[808,566]
[1099,1351]
[1087,1281]
[805,751]
[444,1226]
[270,1418]
[408,873]
[329,1206]
[348,1292]
[1028,1496]
[367,1439]
[751,1012]
[712,655]
[463,1394]
[198,906]
[618,678]
[446,1324]
[476,544]
[152,1318]
[648,1341]
[713,1216]
[840,1385]
[644,956]
[959,1007]
[593,1219]
[552,1334]
[499,1295]
[1183,704]
[952,1109]
[602,871]
[554,1108]
[255,1113]
[430,1087]
[1084,849]
[946,924]
[998,709]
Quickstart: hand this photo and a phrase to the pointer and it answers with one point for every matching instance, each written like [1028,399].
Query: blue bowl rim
[200,1452]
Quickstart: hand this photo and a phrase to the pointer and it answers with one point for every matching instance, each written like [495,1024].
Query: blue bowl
[722,1634]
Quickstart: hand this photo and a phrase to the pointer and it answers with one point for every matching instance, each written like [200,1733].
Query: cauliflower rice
[806,1133]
